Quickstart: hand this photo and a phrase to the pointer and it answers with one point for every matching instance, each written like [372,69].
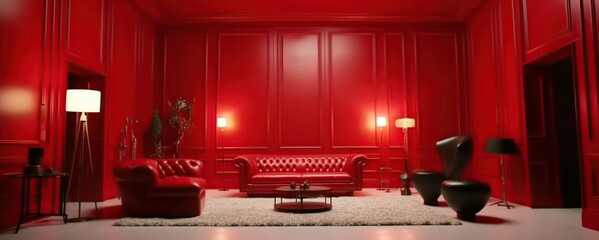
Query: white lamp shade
[83,100]
[405,123]
[381,121]
[221,122]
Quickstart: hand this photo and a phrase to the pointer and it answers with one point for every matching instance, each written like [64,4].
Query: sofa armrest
[247,169]
[357,164]
[245,165]
[136,171]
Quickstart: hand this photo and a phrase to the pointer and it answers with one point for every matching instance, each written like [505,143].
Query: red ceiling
[198,11]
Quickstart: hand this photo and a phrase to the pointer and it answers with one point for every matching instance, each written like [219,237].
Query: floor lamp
[404,124]
[82,101]
[221,123]
[381,122]
[502,146]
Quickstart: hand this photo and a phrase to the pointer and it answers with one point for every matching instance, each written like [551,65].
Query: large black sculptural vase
[455,153]
[465,197]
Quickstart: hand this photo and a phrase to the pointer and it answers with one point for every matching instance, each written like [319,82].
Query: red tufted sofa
[168,188]
[261,174]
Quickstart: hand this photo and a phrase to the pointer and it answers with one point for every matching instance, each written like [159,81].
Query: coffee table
[300,205]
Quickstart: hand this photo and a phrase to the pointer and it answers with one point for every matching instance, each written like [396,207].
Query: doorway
[553,134]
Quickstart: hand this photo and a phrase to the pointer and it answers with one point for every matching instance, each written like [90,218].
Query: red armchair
[168,188]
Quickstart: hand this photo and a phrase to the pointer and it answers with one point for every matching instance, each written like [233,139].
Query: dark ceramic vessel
[466,197]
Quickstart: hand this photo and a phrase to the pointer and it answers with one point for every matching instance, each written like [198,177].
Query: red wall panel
[483,90]
[396,68]
[352,78]
[543,35]
[22,55]
[300,90]
[303,90]
[185,65]
[541,29]
[145,88]
[494,92]
[438,91]
[395,53]
[25,63]
[589,114]
[242,91]
[86,33]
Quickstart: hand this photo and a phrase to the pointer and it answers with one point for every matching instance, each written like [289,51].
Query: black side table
[25,214]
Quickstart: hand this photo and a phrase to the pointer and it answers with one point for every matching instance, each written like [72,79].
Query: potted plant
[180,119]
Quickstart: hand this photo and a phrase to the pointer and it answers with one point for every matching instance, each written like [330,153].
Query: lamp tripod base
[503,203]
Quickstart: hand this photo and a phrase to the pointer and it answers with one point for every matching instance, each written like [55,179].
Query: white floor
[493,223]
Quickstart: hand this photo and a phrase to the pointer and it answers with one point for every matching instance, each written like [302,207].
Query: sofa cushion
[277,178]
[177,187]
[327,177]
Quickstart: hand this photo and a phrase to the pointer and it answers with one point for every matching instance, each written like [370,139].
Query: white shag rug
[346,211]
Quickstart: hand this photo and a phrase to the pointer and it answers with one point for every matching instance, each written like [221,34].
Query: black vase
[35,156]
[405,187]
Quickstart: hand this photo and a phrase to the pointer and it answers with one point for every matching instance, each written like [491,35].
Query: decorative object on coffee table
[502,146]
[292,185]
[404,124]
[221,123]
[305,185]
[82,101]
[299,194]
[180,120]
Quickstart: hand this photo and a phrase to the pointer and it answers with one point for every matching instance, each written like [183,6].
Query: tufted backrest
[180,167]
[301,164]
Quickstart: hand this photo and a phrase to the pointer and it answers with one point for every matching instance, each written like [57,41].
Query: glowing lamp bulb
[381,121]
[221,122]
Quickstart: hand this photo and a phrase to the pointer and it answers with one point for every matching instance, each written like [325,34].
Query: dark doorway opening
[553,134]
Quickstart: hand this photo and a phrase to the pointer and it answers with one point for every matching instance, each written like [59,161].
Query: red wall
[48,45]
[505,38]
[305,90]
[295,89]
